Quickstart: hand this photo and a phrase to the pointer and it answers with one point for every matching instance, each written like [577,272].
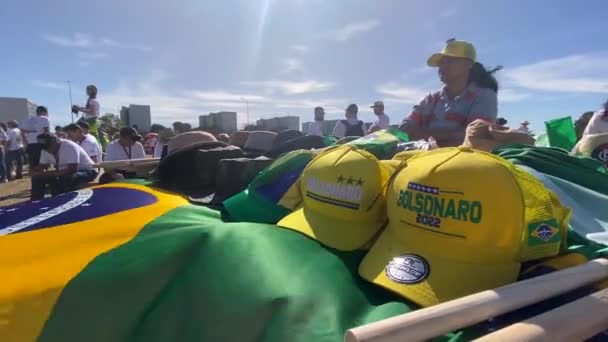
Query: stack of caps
[343,191]
[459,221]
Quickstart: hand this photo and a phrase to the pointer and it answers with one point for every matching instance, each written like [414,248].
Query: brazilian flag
[127,262]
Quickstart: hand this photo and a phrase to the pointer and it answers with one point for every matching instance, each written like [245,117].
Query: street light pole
[70,91]
[247,107]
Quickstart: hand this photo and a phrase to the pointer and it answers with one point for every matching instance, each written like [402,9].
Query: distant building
[220,122]
[136,115]
[278,124]
[13,108]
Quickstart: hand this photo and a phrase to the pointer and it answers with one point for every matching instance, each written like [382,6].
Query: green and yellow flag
[127,262]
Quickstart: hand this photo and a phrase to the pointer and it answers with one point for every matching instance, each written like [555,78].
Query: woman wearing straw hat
[469,93]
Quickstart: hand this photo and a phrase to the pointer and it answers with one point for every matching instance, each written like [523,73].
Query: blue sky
[188,57]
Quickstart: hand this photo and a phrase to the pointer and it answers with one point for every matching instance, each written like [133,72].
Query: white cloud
[77,40]
[92,55]
[84,40]
[113,43]
[511,95]
[224,96]
[293,65]
[396,93]
[170,105]
[570,74]
[49,85]
[300,48]
[350,30]
[292,87]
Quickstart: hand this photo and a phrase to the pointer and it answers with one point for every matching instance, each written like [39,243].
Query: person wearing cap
[31,128]
[316,127]
[351,126]
[524,127]
[14,146]
[598,124]
[469,93]
[383,121]
[126,147]
[72,167]
[87,142]
[501,123]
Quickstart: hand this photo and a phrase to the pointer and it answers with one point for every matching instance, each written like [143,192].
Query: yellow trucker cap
[343,194]
[454,48]
[462,221]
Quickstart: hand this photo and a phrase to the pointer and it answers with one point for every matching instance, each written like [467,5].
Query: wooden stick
[116,164]
[576,321]
[465,311]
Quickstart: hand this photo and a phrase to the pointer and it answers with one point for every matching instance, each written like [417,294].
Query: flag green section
[561,133]
[188,276]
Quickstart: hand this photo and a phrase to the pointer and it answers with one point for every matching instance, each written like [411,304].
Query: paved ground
[15,191]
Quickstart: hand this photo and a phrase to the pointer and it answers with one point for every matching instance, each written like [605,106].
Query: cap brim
[246,207]
[447,278]
[435,59]
[330,231]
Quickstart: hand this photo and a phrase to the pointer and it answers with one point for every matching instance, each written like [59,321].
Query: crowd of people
[469,93]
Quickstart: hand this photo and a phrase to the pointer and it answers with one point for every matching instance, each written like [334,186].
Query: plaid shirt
[436,110]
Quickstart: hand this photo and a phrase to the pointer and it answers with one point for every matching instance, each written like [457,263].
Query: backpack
[355,130]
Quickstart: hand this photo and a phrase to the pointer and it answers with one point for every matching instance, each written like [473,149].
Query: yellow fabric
[454,48]
[471,216]
[343,193]
[35,271]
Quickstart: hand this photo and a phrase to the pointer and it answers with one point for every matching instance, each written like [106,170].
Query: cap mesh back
[545,218]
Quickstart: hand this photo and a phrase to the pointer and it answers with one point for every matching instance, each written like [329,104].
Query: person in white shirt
[598,124]
[73,167]
[3,140]
[14,146]
[91,108]
[32,127]
[383,121]
[90,111]
[524,127]
[316,127]
[351,127]
[85,129]
[86,141]
[126,147]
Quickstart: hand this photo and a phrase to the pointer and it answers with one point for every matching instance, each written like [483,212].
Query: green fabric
[329,140]
[261,201]
[246,206]
[190,277]
[542,140]
[383,143]
[561,133]
[586,172]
